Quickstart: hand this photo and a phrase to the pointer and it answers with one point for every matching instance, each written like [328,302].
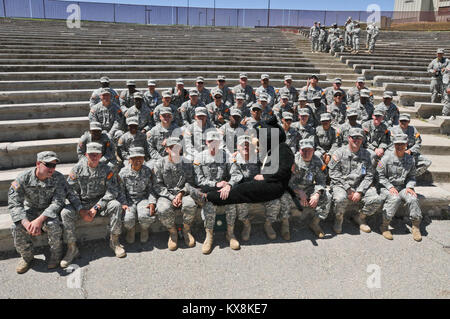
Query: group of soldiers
[334,39]
[146,155]
[439,68]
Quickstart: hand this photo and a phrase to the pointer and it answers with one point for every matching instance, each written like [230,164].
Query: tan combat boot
[116,246]
[188,238]
[384,228]
[173,239]
[71,254]
[246,230]
[54,260]
[207,244]
[131,235]
[360,219]
[337,227]
[315,227]
[234,244]
[144,235]
[23,265]
[416,230]
[269,230]
[285,229]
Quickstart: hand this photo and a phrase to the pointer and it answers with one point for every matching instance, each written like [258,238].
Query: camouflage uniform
[365,111]
[314,35]
[353,95]
[231,134]
[338,113]
[436,85]
[326,142]
[29,197]
[145,119]
[343,131]
[214,111]
[194,138]
[187,111]
[128,140]
[204,96]
[270,91]
[391,114]
[95,96]
[292,92]
[108,150]
[110,118]
[248,92]
[152,100]
[305,132]
[156,137]
[329,95]
[175,113]
[126,100]
[376,136]
[89,188]
[227,96]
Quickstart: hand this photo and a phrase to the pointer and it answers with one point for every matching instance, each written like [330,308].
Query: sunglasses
[49,165]
[356,137]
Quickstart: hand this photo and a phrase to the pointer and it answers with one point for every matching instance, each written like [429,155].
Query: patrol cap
[314,76]
[316,97]
[240,96]
[200,79]
[303,111]
[193,92]
[263,97]
[287,77]
[47,156]
[151,83]
[93,148]
[387,95]
[201,111]
[306,143]
[105,91]
[356,131]
[440,50]
[352,112]
[138,95]
[255,107]
[173,140]
[165,110]
[302,98]
[217,91]
[337,81]
[244,139]
[243,75]
[132,121]
[104,79]
[264,76]
[166,94]
[136,152]
[179,81]
[337,92]
[404,117]
[131,82]
[285,95]
[288,116]
[221,78]
[400,138]
[213,136]
[361,79]
[379,110]
[235,112]
[364,93]
[95,126]
[325,117]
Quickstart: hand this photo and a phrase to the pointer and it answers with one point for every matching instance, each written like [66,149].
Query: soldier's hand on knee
[393,191]
[356,197]
[411,192]
[125,207]
[314,200]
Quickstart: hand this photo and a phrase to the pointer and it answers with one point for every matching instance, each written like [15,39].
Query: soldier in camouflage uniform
[240,105]
[187,109]
[92,191]
[179,94]
[194,135]
[266,88]
[312,88]
[323,38]
[349,25]
[232,130]
[166,103]
[446,99]
[356,34]
[314,33]
[132,138]
[203,93]
[35,200]
[337,45]
[338,109]
[283,106]
[95,96]
[364,106]
[354,92]
[227,96]
[326,139]
[140,111]
[255,115]
[218,111]
[378,136]
[318,108]
[126,98]
[414,143]
[108,115]
[373,38]
[137,196]
[151,97]
[95,134]
[289,89]
[212,169]
[351,172]
[305,130]
[396,171]
[292,135]
[173,175]
[436,68]
[243,87]
[157,135]
[308,181]
[330,91]
[391,110]
[303,104]
[342,132]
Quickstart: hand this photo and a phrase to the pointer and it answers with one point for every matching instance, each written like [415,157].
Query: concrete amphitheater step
[379,80]
[43,110]
[409,98]
[425,109]
[438,172]
[410,87]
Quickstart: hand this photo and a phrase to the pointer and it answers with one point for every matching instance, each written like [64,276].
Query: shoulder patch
[196,163]
[323,167]
[380,164]
[387,132]
[107,144]
[111,174]
[15,185]
[417,135]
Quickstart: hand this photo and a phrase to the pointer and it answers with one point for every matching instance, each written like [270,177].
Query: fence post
[43,7]
[4,7]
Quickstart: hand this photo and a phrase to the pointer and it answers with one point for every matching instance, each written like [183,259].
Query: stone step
[23,153]
[407,98]
[43,110]
[43,129]
[439,170]
[434,144]
[425,127]
[443,122]
[364,66]
[410,87]
[390,63]
[425,110]
[370,74]
[379,80]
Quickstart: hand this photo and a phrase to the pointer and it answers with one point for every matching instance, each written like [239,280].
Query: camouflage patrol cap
[201,111]
[131,82]
[93,148]
[217,91]
[404,117]
[243,75]
[104,79]
[138,95]
[352,112]
[200,79]
[95,126]
[221,78]
[166,94]
[173,140]
[387,95]
[240,96]
[337,81]
[361,79]
[440,50]
[337,92]
[284,95]
[400,139]
[213,136]
[287,77]
[325,117]
[151,83]
[256,107]
[263,97]
[244,139]
[165,110]
[136,152]
[356,131]
[364,93]
[303,111]
[306,143]
[264,76]
[193,92]
[105,91]
[47,157]
[314,76]
[132,121]
[288,115]
[179,81]
[379,111]
[302,97]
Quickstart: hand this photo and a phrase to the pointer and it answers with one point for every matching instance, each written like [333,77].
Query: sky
[360,5]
